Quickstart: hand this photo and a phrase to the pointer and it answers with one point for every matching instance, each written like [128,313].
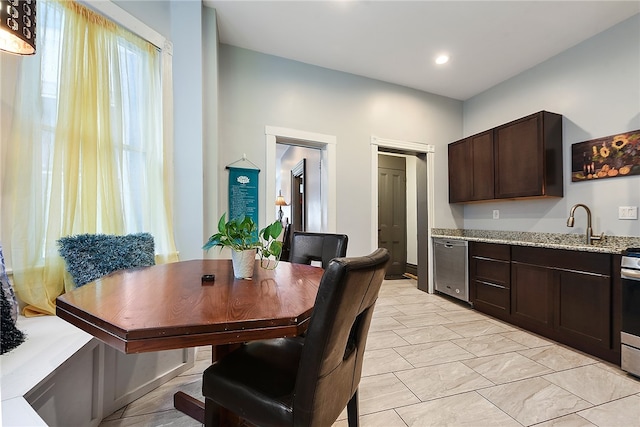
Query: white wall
[596,87]
[258,90]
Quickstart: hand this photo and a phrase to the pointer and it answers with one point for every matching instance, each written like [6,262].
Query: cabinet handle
[494,285]
[631,274]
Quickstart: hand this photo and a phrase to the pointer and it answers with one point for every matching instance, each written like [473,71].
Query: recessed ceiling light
[442,59]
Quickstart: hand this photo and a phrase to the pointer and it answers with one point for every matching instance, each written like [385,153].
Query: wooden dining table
[177,305]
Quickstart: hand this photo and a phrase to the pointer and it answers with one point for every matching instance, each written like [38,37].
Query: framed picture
[613,156]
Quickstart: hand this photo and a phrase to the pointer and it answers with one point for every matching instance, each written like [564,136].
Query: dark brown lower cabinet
[568,296]
[532,297]
[584,308]
[490,280]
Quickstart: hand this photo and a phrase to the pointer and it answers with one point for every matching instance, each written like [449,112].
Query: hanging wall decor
[613,156]
[243,190]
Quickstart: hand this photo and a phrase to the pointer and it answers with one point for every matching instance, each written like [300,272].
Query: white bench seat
[64,376]
[50,341]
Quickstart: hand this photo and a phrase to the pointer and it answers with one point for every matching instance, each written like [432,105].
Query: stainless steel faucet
[571,220]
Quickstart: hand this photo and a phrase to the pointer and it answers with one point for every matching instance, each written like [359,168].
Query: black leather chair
[304,382]
[307,247]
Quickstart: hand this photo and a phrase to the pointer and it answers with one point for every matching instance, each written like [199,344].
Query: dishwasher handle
[627,273]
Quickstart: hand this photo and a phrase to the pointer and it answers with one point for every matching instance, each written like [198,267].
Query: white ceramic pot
[243,263]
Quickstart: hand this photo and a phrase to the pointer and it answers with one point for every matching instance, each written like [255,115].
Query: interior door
[298,200]
[392,212]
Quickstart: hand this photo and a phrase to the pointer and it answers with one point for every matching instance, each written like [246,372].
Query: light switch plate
[496,214]
[627,212]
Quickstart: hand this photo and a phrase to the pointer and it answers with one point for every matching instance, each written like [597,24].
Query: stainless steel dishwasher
[451,266]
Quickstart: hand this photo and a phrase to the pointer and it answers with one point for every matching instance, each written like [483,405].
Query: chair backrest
[286,243]
[331,360]
[91,256]
[323,247]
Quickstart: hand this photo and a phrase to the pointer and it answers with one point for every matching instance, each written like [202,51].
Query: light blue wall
[258,90]
[596,87]
[155,13]
[225,96]
[188,152]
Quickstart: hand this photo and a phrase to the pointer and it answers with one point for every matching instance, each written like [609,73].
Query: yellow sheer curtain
[92,161]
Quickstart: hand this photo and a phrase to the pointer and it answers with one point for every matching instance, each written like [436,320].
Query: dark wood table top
[167,306]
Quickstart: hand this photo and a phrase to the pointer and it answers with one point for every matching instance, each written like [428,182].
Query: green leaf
[221,224]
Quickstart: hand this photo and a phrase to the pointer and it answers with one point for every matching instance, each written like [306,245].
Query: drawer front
[489,270]
[592,262]
[490,250]
[492,294]
[492,299]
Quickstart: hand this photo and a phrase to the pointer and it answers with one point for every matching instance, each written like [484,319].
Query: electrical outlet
[627,212]
[496,214]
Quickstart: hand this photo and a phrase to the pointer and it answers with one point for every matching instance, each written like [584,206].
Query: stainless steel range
[630,335]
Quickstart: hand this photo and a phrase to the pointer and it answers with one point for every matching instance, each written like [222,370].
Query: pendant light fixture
[18,26]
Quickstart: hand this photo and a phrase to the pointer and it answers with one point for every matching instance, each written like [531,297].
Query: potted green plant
[239,234]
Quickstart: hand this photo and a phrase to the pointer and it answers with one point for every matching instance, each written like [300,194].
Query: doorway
[424,156]
[328,182]
[392,212]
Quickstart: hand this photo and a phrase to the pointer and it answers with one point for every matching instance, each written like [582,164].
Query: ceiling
[397,41]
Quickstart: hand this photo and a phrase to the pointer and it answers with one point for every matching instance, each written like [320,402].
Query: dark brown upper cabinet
[522,158]
[471,168]
[528,157]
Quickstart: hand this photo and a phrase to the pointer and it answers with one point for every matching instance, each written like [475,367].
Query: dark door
[392,212]
[298,200]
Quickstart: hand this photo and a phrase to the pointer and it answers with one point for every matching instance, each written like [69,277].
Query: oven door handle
[627,273]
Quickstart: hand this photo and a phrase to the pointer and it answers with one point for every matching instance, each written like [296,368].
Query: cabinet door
[483,168]
[471,168]
[519,159]
[532,297]
[460,171]
[584,308]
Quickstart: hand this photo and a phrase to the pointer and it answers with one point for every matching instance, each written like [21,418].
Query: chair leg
[352,410]
[211,413]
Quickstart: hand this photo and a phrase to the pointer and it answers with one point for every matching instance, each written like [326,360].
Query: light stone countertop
[576,242]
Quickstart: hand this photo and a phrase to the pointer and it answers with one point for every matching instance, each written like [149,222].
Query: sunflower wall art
[609,157]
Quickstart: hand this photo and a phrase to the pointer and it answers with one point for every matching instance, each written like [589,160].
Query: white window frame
[136,26]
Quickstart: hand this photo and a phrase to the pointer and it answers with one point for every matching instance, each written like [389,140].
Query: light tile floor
[431,361]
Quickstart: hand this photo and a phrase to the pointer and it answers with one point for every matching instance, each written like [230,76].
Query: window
[87,151]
